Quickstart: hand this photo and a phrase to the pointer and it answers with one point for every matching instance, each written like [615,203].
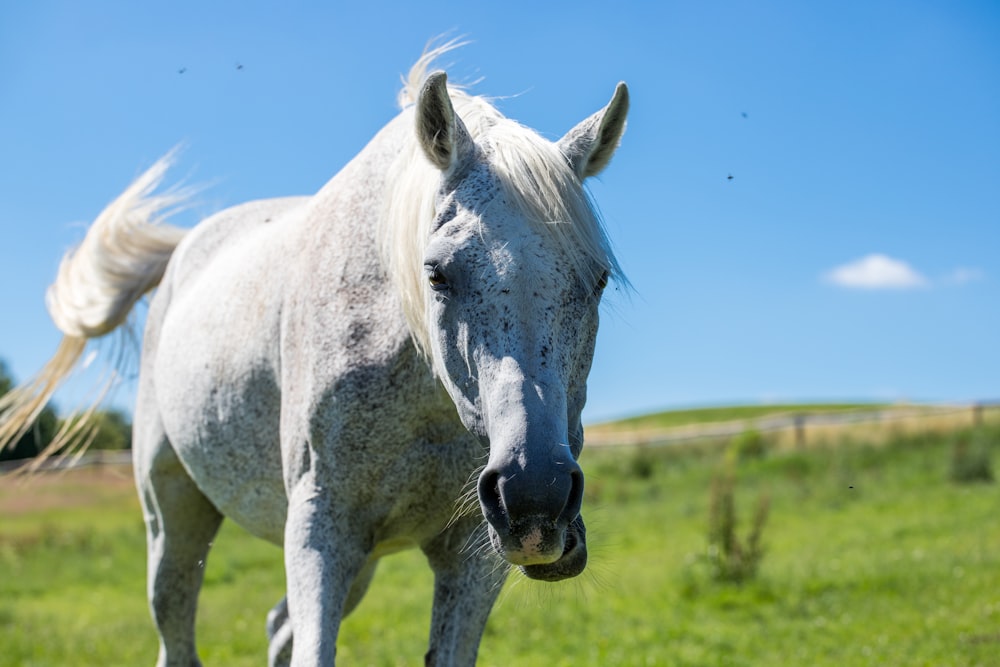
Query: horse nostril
[570,542]
[490,499]
[554,496]
[574,502]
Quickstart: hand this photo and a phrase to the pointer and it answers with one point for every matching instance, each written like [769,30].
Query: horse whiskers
[478,547]
[596,579]
[485,551]
[514,582]
[469,509]
[467,503]
[478,543]
[502,567]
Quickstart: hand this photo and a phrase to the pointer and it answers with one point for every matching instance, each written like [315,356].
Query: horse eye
[436,279]
[602,282]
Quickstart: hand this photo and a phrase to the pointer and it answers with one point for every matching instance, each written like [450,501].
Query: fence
[97,457]
[799,429]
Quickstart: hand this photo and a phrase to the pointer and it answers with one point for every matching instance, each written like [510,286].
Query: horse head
[514,269]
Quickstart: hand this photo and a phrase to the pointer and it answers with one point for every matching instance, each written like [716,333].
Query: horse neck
[336,245]
[350,206]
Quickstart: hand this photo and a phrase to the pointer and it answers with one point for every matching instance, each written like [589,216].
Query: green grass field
[874,556]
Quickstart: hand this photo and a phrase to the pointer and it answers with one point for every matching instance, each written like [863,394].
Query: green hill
[685,417]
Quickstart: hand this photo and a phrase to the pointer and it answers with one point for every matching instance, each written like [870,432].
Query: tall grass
[972,456]
[730,556]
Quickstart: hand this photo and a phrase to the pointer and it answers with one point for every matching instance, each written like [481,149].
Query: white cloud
[876,272]
[963,275]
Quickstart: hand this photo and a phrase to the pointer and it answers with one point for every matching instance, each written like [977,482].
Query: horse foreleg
[279,628]
[180,526]
[279,636]
[322,560]
[466,584]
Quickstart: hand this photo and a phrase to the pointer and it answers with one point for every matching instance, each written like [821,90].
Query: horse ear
[442,135]
[589,146]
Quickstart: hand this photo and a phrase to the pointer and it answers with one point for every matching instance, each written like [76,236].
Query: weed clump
[731,558]
[971,459]
[749,445]
[642,464]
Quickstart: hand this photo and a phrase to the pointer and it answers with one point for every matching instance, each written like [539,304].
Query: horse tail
[122,257]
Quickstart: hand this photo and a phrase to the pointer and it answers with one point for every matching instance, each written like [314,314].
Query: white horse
[338,373]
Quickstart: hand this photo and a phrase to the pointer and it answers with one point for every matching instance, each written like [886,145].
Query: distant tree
[35,438]
[114,430]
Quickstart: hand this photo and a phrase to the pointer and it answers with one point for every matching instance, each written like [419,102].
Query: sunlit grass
[873,555]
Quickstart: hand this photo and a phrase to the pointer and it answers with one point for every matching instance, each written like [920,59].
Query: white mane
[536,178]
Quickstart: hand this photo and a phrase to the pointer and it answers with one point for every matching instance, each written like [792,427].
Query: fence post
[800,431]
[977,414]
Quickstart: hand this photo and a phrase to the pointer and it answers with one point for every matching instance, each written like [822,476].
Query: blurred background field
[867,551]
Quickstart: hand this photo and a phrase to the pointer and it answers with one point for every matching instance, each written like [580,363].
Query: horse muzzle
[534,519]
[569,561]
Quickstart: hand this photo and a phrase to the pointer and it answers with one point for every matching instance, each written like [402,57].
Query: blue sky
[853,255]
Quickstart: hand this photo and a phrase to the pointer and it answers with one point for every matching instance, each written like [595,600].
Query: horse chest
[391,453]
